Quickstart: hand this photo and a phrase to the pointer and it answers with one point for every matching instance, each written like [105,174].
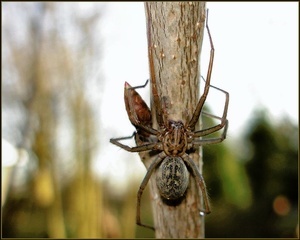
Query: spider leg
[199,179]
[207,141]
[210,130]
[200,104]
[141,86]
[124,138]
[145,147]
[211,115]
[150,170]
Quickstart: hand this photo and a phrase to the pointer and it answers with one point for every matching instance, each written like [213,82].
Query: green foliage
[259,195]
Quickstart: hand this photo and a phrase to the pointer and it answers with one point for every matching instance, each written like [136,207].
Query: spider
[172,140]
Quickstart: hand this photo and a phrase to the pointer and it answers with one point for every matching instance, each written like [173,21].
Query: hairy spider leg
[140,86]
[141,148]
[144,183]
[200,180]
[201,142]
[224,122]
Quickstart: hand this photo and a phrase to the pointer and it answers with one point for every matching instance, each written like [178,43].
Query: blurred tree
[272,172]
[49,69]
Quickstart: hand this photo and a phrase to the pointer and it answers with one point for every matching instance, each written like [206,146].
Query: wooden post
[175,33]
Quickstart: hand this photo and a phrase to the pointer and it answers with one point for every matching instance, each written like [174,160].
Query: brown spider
[172,140]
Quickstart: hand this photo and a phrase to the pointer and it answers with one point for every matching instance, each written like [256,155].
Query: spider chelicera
[172,141]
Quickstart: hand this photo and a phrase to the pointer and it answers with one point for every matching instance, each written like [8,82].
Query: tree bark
[175,34]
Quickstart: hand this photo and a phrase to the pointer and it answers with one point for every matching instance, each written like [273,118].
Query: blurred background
[63,71]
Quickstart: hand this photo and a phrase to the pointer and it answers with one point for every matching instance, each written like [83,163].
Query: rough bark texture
[175,33]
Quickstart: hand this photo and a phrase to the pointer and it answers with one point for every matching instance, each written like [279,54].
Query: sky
[256,61]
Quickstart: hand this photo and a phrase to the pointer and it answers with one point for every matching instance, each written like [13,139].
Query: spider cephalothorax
[174,139]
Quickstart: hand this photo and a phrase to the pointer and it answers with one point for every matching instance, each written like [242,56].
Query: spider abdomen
[172,178]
